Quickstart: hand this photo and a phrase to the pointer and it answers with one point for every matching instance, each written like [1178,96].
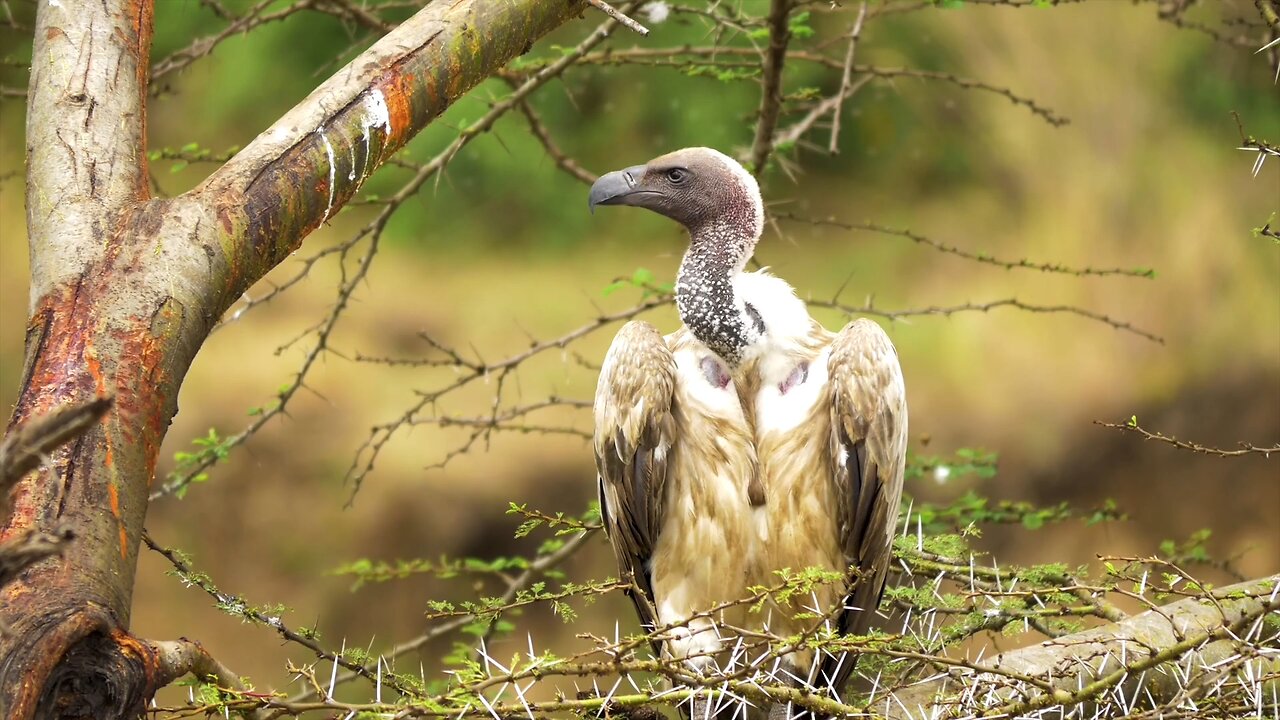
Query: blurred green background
[501,247]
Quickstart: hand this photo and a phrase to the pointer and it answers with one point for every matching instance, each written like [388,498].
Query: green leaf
[799,26]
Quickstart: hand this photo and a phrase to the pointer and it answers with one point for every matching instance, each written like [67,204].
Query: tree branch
[300,172]
[23,449]
[775,59]
[176,658]
[1084,666]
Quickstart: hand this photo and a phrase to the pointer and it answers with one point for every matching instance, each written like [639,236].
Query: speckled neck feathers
[718,251]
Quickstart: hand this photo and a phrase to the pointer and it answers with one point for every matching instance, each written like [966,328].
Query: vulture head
[703,189]
[718,201]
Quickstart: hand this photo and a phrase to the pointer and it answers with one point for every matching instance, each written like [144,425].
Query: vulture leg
[701,708]
[787,674]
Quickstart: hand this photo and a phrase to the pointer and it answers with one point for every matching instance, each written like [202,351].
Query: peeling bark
[125,289]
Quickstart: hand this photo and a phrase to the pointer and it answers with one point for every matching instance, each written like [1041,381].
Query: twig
[240,607]
[612,12]
[846,78]
[709,55]
[25,446]
[562,161]
[1246,448]
[947,311]
[539,567]
[1269,13]
[1022,264]
[29,548]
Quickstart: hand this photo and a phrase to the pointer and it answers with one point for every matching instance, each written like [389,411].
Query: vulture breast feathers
[676,469]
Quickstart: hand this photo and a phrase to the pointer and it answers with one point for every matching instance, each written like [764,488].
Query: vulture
[750,441]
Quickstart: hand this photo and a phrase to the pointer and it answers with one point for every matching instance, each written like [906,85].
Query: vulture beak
[620,187]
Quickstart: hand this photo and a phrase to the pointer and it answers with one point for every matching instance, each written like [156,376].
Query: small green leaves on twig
[643,279]
[1131,425]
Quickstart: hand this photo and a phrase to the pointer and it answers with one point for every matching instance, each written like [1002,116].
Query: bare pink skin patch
[715,372]
[796,378]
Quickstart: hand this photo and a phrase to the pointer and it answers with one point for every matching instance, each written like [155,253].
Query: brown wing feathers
[868,445]
[633,437]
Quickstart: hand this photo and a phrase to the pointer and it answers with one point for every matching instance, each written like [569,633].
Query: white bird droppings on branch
[375,115]
[328,150]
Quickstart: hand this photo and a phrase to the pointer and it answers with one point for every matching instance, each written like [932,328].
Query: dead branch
[30,547]
[869,308]
[25,446]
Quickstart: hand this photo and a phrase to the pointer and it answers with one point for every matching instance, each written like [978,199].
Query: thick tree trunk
[125,289]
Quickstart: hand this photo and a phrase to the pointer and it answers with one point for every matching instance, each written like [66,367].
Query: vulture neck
[705,295]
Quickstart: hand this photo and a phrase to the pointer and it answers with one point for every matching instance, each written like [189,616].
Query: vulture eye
[676,175]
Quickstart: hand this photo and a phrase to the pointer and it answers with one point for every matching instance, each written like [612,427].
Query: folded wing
[634,432]
[868,456]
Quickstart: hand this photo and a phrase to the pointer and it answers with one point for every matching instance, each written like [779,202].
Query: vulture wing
[868,455]
[634,431]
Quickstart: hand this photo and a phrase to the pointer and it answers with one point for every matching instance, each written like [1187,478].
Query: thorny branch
[238,606]
[538,568]
[1211,650]
[181,657]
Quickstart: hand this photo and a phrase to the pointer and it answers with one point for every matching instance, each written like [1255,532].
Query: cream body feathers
[754,471]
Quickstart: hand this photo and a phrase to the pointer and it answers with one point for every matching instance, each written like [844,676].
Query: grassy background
[1146,175]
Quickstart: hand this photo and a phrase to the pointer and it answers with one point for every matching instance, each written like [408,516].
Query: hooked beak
[620,187]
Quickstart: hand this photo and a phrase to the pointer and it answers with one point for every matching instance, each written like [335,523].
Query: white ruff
[787,324]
